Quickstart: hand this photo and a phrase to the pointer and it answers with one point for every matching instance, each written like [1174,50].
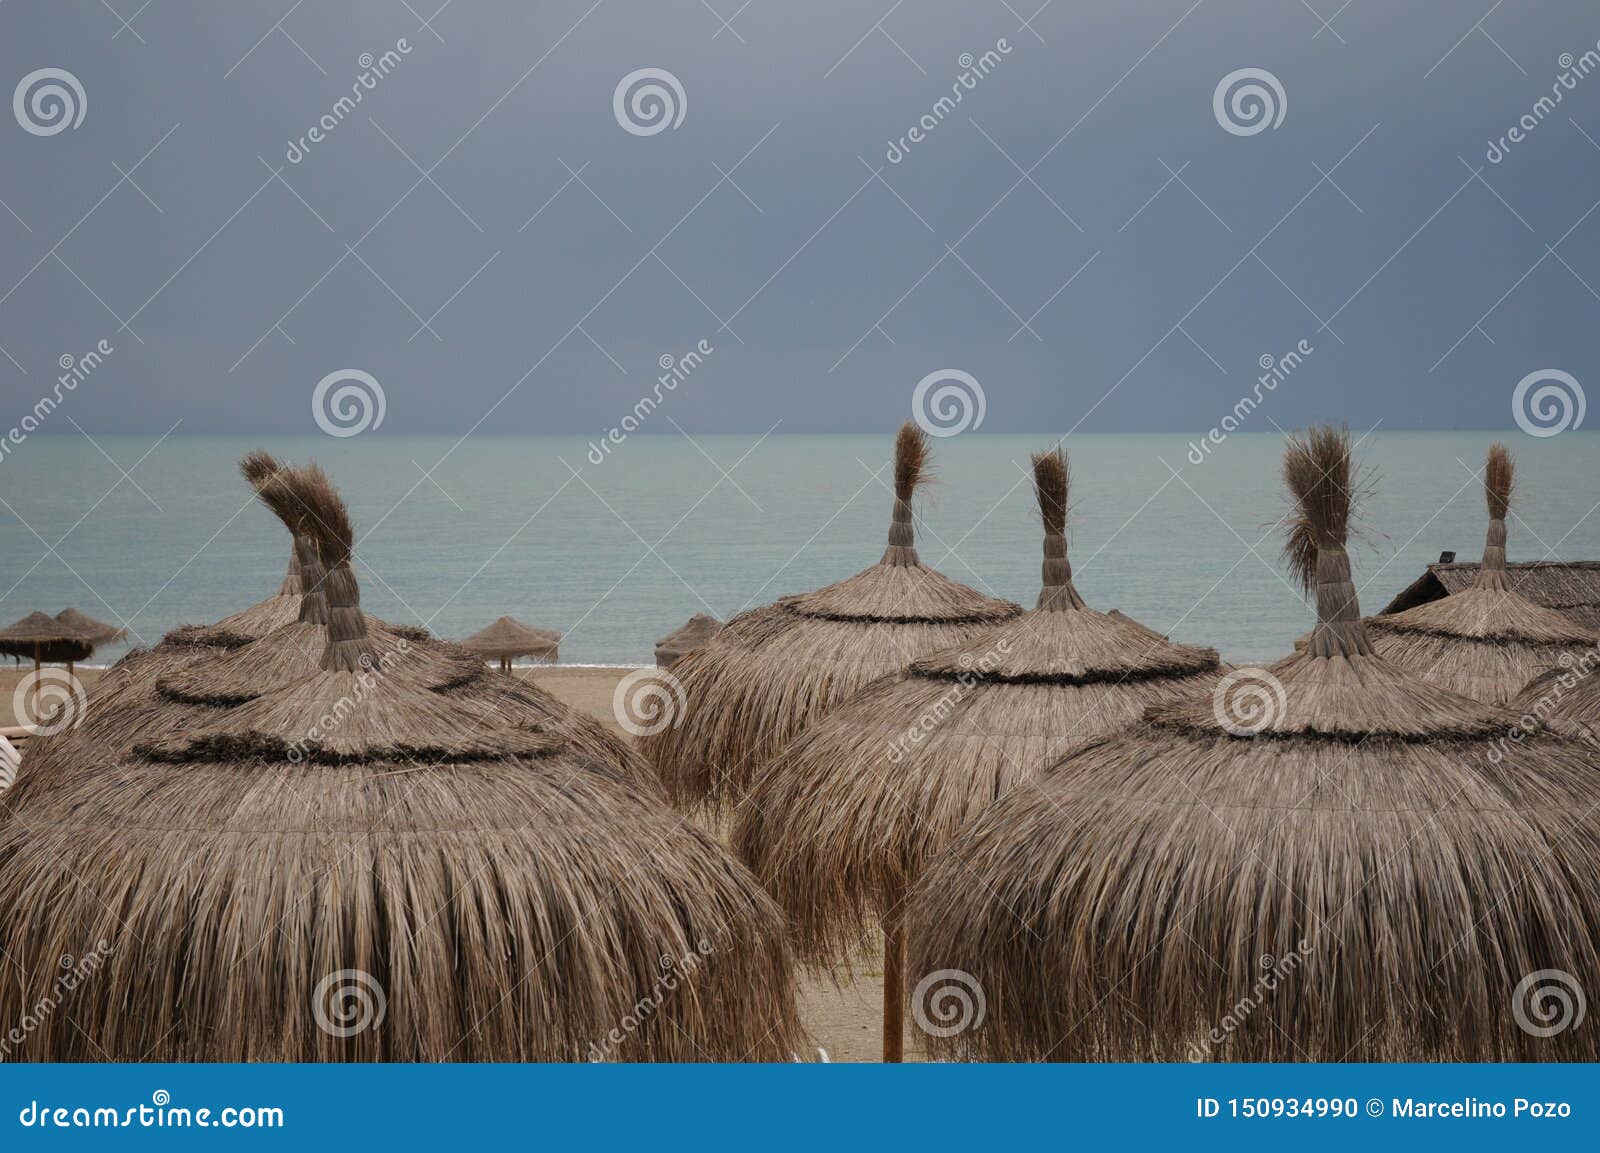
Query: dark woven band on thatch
[295,651]
[1050,647]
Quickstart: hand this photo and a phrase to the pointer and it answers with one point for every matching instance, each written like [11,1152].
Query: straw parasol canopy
[354,867]
[175,686]
[98,632]
[693,633]
[849,814]
[44,639]
[775,669]
[1486,641]
[508,638]
[1331,842]
[1565,698]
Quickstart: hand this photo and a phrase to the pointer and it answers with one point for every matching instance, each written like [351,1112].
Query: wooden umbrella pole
[36,660]
[894,986]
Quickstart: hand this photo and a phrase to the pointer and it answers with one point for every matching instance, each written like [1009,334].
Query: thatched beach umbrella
[774,670]
[354,867]
[848,815]
[1565,698]
[508,638]
[45,640]
[693,633]
[176,685]
[98,632]
[1486,641]
[1331,844]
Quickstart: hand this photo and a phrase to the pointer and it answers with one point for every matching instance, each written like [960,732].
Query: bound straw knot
[1499,480]
[910,472]
[1317,471]
[1051,477]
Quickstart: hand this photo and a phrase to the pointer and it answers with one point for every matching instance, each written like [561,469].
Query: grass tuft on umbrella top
[1363,858]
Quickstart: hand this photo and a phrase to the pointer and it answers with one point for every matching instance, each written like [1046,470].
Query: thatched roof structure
[98,632]
[848,815]
[354,867]
[693,633]
[508,638]
[773,670]
[168,689]
[1572,587]
[1487,641]
[1338,846]
[41,637]
[1565,698]
[127,706]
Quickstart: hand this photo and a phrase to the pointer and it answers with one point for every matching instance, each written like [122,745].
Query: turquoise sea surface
[452,534]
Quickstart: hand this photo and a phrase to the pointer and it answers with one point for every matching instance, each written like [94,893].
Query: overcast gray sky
[1081,233]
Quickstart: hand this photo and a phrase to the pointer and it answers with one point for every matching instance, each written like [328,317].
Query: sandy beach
[840,1011]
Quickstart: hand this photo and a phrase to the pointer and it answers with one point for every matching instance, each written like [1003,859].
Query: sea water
[454,533]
